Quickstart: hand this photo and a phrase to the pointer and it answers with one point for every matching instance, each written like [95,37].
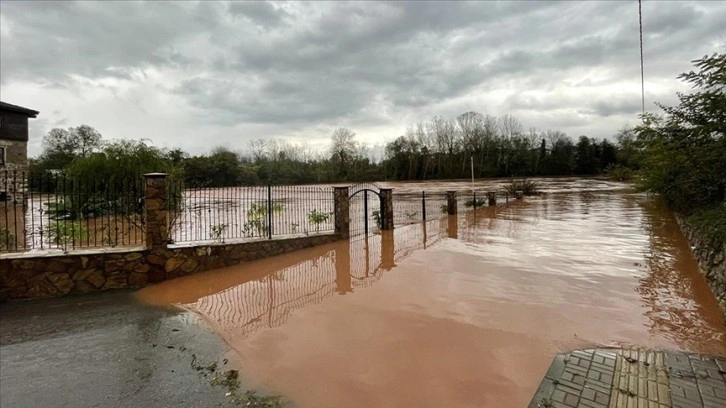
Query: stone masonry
[711,257]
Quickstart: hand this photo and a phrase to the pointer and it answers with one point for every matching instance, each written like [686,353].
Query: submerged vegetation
[527,187]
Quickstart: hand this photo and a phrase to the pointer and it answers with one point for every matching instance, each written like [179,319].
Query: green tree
[684,150]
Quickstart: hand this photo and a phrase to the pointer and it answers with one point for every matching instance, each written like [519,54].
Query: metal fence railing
[55,211]
[235,213]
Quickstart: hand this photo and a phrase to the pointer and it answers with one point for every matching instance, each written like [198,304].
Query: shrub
[316,218]
[480,202]
[527,187]
[618,172]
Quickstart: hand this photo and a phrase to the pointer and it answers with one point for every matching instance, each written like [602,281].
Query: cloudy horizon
[200,75]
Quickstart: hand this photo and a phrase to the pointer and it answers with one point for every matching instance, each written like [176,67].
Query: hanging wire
[642,70]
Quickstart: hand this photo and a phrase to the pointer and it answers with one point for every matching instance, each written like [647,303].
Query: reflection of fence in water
[270,301]
[267,302]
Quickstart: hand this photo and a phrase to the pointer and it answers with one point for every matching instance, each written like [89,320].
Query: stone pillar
[342,211]
[452,208]
[492,198]
[386,209]
[156,212]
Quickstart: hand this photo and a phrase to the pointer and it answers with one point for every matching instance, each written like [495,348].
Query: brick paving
[633,378]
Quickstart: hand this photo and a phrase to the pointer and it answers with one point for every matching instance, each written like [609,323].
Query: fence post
[342,211]
[451,206]
[269,211]
[423,205]
[387,209]
[474,193]
[492,198]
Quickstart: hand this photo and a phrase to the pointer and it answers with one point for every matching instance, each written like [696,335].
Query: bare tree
[342,149]
[509,126]
[258,148]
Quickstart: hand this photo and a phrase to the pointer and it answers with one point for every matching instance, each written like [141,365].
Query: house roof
[19,109]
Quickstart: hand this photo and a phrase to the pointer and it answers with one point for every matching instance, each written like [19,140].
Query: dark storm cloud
[299,65]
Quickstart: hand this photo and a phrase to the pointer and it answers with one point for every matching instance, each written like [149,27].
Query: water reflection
[265,293]
[680,304]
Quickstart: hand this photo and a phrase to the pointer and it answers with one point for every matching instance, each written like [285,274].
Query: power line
[642,70]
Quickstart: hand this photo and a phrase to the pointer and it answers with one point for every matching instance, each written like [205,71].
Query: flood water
[463,311]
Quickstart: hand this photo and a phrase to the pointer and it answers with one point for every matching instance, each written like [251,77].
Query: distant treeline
[439,149]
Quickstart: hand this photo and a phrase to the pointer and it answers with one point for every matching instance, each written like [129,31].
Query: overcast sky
[200,75]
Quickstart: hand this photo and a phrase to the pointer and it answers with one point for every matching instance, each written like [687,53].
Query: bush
[316,218]
[618,172]
[480,202]
[527,187]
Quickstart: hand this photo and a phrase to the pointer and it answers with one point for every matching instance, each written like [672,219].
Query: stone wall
[711,258]
[26,276]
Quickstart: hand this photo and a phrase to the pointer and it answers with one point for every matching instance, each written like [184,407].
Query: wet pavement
[104,350]
[633,378]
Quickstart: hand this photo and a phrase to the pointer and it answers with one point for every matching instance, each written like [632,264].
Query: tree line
[439,149]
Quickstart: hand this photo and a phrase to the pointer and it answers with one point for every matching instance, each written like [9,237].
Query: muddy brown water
[460,312]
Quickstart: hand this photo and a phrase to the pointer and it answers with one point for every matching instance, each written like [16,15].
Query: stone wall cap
[156,175]
[47,253]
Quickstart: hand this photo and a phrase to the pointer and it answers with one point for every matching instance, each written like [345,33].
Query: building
[13,148]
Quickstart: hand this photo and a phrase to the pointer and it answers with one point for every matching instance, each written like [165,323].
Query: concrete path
[636,378]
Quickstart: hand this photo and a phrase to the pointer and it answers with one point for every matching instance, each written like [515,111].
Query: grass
[711,222]
[527,187]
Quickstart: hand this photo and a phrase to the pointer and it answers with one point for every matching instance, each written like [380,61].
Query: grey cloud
[301,65]
[262,13]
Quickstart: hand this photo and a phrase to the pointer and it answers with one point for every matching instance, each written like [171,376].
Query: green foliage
[618,172]
[444,208]
[527,187]
[257,216]
[7,239]
[683,151]
[217,232]
[61,233]
[79,206]
[711,223]
[316,218]
[120,162]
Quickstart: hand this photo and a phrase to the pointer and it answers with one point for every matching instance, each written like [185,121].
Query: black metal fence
[55,211]
[236,213]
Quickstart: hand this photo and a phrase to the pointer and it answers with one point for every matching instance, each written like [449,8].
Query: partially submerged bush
[618,172]
[478,202]
[527,187]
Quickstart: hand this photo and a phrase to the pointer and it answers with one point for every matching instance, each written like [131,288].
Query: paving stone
[633,378]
